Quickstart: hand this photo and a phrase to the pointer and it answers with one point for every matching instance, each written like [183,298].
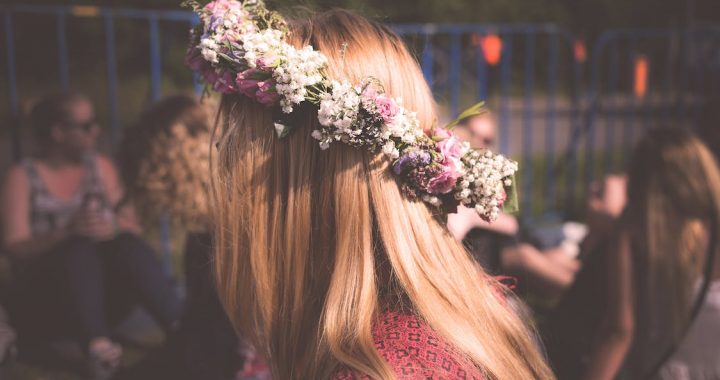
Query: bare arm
[125,216]
[16,234]
[538,269]
[616,333]
[460,223]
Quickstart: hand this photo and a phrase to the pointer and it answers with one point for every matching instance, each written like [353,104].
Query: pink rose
[225,83]
[444,182]
[441,134]
[502,197]
[266,92]
[386,107]
[451,147]
[247,82]
[248,87]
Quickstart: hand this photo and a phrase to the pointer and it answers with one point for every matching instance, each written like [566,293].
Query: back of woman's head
[672,166]
[673,195]
[314,244]
[165,158]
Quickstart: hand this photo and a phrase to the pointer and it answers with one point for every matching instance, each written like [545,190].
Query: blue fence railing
[566,119]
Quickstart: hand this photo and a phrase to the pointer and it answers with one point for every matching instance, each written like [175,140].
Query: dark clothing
[206,346]
[82,288]
[569,331]
[486,247]
[210,350]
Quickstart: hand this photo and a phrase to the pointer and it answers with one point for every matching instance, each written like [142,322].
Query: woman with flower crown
[328,195]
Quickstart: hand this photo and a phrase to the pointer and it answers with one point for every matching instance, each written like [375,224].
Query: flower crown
[240,48]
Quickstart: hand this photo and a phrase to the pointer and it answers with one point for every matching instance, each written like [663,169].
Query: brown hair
[165,161]
[673,192]
[50,111]
[313,245]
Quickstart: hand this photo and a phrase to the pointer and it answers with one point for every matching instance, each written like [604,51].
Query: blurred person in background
[165,162]
[655,266]
[497,246]
[79,265]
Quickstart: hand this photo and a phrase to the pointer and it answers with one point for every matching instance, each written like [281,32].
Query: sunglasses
[86,126]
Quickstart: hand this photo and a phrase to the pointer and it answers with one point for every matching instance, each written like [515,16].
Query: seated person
[496,245]
[79,264]
[165,164]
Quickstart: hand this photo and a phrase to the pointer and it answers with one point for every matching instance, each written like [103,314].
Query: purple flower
[410,160]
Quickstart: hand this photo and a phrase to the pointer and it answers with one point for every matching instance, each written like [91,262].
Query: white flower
[280,129]
[390,149]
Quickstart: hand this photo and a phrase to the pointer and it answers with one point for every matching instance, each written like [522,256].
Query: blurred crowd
[628,292]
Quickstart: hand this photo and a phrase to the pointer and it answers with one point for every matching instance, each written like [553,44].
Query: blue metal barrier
[557,125]
[451,66]
[62,13]
[671,96]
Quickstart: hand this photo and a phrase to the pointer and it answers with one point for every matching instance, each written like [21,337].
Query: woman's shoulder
[413,350]
[16,176]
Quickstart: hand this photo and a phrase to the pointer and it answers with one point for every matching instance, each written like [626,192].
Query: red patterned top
[414,351]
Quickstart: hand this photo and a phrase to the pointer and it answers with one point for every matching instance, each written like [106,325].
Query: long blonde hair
[673,194]
[313,245]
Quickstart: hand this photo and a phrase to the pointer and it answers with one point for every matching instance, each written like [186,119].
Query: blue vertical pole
[155,60]
[667,98]
[12,86]
[683,79]
[427,59]
[112,77]
[155,94]
[482,76]
[505,81]
[576,123]
[610,144]
[550,119]
[62,51]
[527,120]
[197,82]
[455,68]
[629,113]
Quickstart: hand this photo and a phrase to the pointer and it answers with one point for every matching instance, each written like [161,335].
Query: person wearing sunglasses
[78,261]
[496,246]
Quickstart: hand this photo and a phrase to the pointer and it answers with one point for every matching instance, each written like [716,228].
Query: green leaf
[511,205]
[477,109]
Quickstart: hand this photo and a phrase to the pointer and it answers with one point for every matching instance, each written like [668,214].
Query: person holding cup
[79,263]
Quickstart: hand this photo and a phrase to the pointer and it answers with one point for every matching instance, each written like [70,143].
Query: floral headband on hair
[240,48]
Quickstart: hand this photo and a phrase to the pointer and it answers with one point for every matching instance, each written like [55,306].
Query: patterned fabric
[46,211]
[414,351]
